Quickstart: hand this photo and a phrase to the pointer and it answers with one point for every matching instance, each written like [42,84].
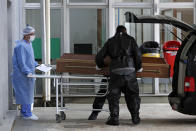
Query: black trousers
[129,86]
[99,101]
[118,83]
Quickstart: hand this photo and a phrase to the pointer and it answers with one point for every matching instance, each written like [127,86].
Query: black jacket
[124,53]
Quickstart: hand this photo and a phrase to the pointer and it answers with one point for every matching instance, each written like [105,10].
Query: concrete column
[10,47]
[3,60]
[13,34]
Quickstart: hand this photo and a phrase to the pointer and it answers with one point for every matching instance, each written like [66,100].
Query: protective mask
[32,38]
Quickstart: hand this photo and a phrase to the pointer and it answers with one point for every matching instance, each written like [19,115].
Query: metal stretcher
[85,64]
[65,83]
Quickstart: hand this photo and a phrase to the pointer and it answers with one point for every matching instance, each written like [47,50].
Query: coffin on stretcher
[85,64]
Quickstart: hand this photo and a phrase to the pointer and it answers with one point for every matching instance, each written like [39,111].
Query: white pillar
[111,19]
[65,46]
[157,39]
[45,6]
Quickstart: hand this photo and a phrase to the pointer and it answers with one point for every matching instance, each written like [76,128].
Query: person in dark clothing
[125,62]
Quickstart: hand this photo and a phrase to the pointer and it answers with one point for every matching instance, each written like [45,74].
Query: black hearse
[183,95]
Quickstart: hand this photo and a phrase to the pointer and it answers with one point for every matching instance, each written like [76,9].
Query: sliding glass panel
[33,18]
[89,1]
[141,32]
[38,1]
[133,0]
[164,1]
[87,30]
[185,15]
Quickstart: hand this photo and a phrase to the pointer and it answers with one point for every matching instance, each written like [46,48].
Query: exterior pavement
[8,120]
[154,117]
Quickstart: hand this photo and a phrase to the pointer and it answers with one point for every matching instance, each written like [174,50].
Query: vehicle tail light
[189,84]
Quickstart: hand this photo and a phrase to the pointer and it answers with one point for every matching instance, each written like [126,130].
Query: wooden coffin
[85,64]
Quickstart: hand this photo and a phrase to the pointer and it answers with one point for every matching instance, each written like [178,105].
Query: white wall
[3,59]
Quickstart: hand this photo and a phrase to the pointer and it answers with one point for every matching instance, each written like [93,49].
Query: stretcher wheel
[58,118]
[63,115]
